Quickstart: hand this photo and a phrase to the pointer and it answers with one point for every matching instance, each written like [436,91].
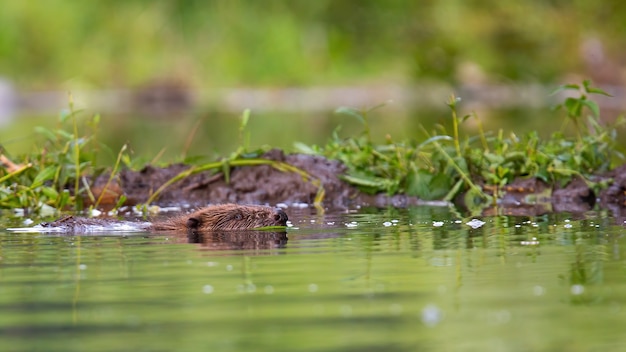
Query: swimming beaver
[224,217]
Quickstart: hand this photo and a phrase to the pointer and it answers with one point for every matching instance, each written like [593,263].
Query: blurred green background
[158,70]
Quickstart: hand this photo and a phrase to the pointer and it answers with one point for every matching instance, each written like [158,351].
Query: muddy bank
[264,184]
[248,185]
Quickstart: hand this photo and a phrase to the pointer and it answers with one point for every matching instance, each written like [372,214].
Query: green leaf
[64,115]
[344,110]
[305,149]
[428,186]
[417,183]
[378,106]
[453,191]
[372,184]
[565,87]
[66,135]
[48,134]
[45,175]
[434,139]
[440,185]
[593,106]
[592,90]
[63,199]
[573,107]
[362,180]
[120,201]
[50,193]
[245,117]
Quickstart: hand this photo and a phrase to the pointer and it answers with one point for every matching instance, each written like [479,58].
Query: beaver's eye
[193,223]
[238,216]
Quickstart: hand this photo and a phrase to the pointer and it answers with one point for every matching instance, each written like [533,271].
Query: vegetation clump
[59,174]
[448,163]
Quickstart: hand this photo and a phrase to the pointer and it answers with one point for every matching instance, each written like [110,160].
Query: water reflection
[239,240]
[395,279]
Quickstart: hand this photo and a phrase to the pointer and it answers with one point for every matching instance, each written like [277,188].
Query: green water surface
[370,280]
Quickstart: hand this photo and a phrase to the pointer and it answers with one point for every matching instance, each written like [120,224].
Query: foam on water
[116,227]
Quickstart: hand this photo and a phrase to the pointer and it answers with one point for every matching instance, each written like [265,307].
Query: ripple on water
[420,277]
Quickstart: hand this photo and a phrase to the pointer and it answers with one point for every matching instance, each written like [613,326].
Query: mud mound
[263,184]
[248,184]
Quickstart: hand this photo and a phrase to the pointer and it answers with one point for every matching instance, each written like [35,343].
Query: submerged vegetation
[59,173]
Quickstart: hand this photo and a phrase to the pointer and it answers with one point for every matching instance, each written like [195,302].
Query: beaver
[223,217]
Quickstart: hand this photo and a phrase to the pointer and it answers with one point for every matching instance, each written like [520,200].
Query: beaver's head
[235,217]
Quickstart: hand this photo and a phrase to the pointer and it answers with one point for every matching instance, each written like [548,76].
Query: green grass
[448,163]
[56,175]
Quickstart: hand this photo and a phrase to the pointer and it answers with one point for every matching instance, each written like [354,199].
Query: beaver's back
[224,217]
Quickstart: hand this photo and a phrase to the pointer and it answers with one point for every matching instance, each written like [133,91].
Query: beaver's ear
[193,223]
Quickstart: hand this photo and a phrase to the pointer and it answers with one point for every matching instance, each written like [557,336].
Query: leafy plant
[56,174]
[373,168]
[243,156]
[446,164]
[574,106]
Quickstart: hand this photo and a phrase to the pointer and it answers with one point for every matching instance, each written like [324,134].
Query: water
[387,280]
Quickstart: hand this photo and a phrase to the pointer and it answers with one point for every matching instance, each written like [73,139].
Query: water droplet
[82,267]
[208,289]
[539,290]
[269,289]
[313,288]
[577,289]
[475,223]
[229,267]
[431,315]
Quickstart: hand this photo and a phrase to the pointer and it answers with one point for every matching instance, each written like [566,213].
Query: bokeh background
[171,77]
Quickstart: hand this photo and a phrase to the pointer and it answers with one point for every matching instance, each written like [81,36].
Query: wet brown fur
[224,217]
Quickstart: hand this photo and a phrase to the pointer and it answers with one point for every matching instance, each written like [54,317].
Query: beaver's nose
[280,216]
